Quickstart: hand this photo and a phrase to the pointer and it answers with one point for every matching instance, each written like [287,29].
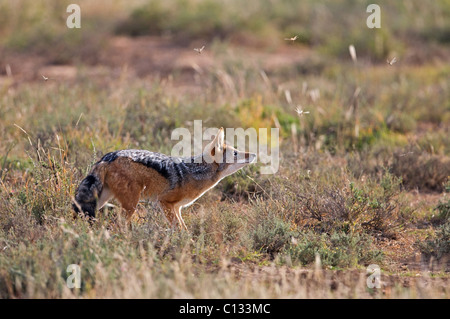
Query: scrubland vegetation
[363,177]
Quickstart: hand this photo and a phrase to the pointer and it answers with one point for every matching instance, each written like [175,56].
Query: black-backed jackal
[174,182]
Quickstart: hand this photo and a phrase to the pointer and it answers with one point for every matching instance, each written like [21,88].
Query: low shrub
[271,236]
[443,209]
[371,208]
[337,249]
[421,170]
[438,245]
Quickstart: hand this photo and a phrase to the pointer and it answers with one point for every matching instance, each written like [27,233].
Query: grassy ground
[363,176]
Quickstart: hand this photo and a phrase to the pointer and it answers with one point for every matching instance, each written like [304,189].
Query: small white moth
[291,39]
[199,50]
[352,51]
[394,59]
[300,111]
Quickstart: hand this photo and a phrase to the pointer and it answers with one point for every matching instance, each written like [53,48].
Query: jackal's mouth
[250,158]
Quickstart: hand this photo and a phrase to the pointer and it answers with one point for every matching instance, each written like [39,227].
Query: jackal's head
[228,159]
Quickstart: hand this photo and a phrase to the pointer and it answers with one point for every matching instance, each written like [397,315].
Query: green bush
[271,235]
[150,18]
[337,249]
[438,245]
[350,208]
[238,186]
[443,209]
[421,170]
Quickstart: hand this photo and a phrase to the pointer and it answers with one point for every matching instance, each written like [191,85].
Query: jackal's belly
[183,195]
[195,194]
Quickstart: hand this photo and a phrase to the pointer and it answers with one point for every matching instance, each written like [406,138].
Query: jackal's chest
[187,194]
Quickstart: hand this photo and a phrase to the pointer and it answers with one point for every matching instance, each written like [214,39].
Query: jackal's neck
[197,168]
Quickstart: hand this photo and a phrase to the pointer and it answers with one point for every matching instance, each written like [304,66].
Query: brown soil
[147,56]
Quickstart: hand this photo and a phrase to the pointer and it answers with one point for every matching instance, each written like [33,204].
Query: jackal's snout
[250,157]
[239,157]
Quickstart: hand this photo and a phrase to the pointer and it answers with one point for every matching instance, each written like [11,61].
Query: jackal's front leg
[181,223]
[128,196]
[172,213]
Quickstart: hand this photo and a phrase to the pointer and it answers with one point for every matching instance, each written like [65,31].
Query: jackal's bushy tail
[88,192]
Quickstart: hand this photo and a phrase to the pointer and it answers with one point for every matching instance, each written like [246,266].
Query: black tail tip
[86,209]
[75,208]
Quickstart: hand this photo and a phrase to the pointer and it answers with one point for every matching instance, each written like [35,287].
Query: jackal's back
[172,169]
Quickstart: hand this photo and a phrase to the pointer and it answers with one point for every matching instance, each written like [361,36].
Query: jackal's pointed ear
[219,140]
[213,151]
